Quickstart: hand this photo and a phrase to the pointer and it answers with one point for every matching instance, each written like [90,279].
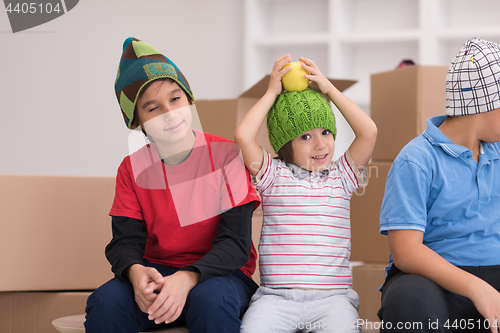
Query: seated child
[305,240]
[441,208]
[181,251]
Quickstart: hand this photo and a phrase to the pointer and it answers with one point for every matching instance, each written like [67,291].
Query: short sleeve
[351,176]
[126,202]
[265,176]
[404,206]
[237,186]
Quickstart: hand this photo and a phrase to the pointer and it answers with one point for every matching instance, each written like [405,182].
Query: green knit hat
[296,112]
[140,64]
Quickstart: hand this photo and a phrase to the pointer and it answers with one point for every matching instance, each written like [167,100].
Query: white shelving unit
[351,39]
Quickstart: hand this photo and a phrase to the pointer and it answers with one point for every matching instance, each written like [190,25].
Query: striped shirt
[306,237]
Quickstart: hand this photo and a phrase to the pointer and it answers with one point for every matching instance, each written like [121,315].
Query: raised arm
[246,133]
[363,126]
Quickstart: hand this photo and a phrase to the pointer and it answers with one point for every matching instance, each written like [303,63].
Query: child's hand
[170,302]
[315,75]
[487,302]
[277,73]
[145,281]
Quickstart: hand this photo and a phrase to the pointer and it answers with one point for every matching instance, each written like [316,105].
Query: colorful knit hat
[473,79]
[140,64]
[296,112]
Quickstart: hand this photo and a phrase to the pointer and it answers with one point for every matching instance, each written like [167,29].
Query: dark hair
[286,152]
[135,120]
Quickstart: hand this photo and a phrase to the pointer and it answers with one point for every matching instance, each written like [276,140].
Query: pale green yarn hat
[296,112]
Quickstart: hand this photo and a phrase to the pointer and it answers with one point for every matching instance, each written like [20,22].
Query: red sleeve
[227,159]
[125,202]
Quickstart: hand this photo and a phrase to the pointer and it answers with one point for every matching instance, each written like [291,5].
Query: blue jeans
[214,305]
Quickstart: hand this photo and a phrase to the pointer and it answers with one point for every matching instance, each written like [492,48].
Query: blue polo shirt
[436,187]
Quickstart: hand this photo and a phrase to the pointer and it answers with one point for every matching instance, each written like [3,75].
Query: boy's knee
[214,297]
[212,293]
[412,297]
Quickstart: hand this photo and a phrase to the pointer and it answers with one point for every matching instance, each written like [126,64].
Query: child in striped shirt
[305,240]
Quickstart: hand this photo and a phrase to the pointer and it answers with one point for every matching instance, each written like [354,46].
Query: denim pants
[412,303]
[214,305]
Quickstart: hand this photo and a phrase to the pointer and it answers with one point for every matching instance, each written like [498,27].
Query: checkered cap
[140,64]
[473,79]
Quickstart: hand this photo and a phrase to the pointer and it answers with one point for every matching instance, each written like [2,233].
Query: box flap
[259,89]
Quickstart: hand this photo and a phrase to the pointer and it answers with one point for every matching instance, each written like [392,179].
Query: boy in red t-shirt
[181,251]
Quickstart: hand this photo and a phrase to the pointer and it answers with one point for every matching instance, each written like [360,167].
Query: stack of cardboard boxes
[401,101]
[53,233]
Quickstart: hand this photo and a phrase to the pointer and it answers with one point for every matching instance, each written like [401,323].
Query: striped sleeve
[265,176]
[351,176]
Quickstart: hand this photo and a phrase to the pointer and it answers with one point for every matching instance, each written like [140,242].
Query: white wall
[59,113]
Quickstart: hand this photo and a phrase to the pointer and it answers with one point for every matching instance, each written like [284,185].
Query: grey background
[59,114]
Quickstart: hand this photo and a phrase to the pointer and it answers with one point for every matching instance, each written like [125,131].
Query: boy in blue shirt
[441,208]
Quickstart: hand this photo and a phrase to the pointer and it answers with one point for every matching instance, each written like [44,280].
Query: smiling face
[163,112]
[313,150]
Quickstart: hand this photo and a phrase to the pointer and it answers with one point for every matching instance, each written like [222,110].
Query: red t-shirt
[181,204]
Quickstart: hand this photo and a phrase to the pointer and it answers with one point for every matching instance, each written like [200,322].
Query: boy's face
[163,112]
[313,150]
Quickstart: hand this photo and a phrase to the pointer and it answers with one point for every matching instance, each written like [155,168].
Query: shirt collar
[490,151]
[436,138]
[434,135]
[301,173]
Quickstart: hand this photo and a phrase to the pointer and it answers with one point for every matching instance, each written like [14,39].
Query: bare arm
[246,133]
[410,255]
[363,126]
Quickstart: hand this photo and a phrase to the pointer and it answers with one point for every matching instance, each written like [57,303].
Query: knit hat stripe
[127,106]
[132,72]
[181,76]
[142,49]
[126,43]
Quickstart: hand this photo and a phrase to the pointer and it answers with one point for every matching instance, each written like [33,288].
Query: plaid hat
[296,112]
[473,80]
[140,64]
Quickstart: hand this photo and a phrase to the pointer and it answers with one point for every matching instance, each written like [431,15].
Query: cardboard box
[366,279]
[367,244]
[220,117]
[33,312]
[54,231]
[401,101]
